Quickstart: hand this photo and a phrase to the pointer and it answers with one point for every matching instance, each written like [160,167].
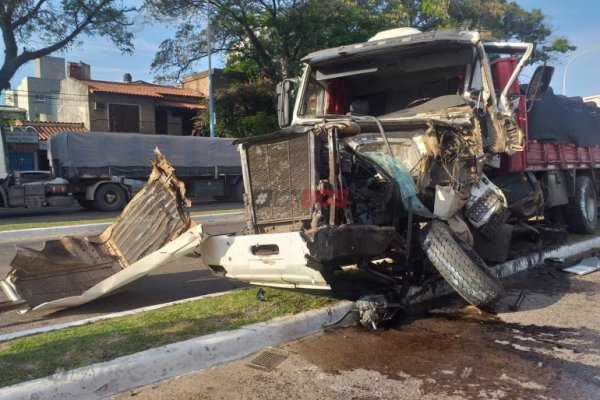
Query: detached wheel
[109,197]
[459,265]
[583,208]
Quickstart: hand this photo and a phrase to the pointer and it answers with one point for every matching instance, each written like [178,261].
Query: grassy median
[30,225]
[43,354]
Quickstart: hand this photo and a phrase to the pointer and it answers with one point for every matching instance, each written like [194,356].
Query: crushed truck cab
[396,169]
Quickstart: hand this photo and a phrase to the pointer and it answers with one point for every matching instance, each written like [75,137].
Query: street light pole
[569,63]
[211,117]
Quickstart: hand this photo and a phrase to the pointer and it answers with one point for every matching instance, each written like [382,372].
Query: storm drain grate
[268,359]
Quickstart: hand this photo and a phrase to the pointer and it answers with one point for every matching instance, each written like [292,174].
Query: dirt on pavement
[548,349]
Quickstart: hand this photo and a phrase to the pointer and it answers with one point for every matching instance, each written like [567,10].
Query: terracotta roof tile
[47,129]
[138,88]
[180,104]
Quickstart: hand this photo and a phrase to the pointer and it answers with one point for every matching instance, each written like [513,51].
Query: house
[37,94]
[9,113]
[128,106]
[221,80]
[35,153]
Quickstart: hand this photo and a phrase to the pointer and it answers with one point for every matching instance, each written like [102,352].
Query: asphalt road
[78,213]
[181,279]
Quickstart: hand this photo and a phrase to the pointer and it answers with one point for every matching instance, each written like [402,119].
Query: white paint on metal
[240,258]
[184,244]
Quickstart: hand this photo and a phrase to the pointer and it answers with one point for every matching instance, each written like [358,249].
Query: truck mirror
[540,82]
[284,114]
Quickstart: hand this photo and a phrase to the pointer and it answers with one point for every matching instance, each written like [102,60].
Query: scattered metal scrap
[585,266]
[74,270]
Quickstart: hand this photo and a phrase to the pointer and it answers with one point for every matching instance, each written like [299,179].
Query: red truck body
[539,156]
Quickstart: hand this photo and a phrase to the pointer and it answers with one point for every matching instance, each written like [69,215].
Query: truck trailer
[105,170]
[403,161]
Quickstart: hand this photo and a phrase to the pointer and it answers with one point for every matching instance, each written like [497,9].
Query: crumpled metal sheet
[72,271]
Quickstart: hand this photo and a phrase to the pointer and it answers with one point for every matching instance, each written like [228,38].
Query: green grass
[12,227]
[43,354]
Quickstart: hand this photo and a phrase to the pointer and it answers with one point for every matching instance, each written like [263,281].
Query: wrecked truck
[399,158]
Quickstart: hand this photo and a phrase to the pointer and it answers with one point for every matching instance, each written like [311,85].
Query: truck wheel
[237,194]
[459,265]
[583,208]
[109,197]
[87,204]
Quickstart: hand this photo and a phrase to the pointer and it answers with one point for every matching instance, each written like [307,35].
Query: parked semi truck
[400,160]
[106,169]
[29,188]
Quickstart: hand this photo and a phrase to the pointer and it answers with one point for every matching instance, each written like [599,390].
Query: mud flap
[152,230]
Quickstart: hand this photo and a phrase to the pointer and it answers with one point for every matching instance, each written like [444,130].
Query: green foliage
[43,354]
[269,39]
[242,110]
[35,28]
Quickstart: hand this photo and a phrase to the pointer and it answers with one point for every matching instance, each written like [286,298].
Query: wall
[73,103]
[99,118]
[199,81]
[49,68]
[42,99]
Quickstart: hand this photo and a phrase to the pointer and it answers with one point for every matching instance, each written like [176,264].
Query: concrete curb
[85,229]
[98,381]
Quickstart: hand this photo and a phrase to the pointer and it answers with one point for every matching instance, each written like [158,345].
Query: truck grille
[280,178]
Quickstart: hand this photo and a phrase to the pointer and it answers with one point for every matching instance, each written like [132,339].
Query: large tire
[583,207]
[237,194]
[109,197]
[87,204]
[459,265]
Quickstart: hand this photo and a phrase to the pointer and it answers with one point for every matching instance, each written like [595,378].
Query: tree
[245,109]
[35,28]
[269,38]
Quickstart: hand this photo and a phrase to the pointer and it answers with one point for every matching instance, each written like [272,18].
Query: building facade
[37,94]
[128,106]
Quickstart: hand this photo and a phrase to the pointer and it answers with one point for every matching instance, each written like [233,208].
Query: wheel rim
[110,197]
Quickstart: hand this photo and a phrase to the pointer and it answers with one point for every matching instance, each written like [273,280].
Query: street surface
[548,349]
[75,212]
[181,279]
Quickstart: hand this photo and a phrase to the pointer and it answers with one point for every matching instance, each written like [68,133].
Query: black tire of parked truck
[583,207]
[237,194]
[109,197]
[460,266]
[87,204]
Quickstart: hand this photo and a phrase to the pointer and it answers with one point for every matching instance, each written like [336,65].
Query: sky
[575,19]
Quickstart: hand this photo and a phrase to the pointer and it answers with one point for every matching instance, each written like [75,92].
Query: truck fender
[90,191]
[3,197]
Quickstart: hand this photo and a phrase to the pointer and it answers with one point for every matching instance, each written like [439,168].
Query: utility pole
[211,115]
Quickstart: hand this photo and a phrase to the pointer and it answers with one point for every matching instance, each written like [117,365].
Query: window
[39,98]
[124,118]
